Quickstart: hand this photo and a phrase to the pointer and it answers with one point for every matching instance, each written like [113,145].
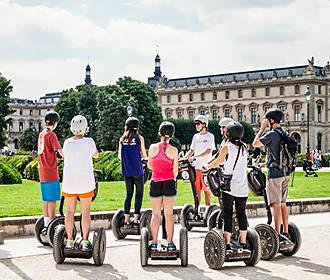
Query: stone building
[248,95]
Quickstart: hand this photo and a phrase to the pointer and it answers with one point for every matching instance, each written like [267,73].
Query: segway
[270,243]
[119,229]
[309,169]
[190,215]
[162,252]
[214,244]
[98,247]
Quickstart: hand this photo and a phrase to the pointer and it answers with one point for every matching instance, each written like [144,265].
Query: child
[48,145]
[78,178]
[201,147]
[131,145]
[233,156]
[163,161]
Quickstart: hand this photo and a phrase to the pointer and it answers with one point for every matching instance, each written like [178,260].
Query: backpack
[288,152]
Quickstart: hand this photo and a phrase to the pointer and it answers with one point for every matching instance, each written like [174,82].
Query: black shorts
[163,189]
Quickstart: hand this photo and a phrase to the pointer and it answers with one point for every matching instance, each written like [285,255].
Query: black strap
[239,150]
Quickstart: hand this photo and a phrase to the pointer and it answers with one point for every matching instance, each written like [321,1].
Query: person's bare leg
[51,209]
[71,204]
[208,197]
[285,217]
[242,236]
[45,208]
[227,236]
[169,218]
[277,216]
[85,205]
[155,219]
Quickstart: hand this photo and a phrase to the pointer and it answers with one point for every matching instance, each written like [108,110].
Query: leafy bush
[325,160]
[9,175]
[19,162]
[31,170]
[23,153]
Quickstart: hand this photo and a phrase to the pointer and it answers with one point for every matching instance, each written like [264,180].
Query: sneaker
[229,249]
[171,247]
[245,248]
[128,225]
[69,244]
[86,245]
[153,247]
[285,238]
[136,224]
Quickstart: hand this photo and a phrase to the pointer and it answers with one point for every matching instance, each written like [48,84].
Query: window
[227,113]
[227,94]
[168,115]
[240,114]
[10,126]
[320,89]
[319,141]
[169,99]
[190,114]
[179,114]
[266,108]
[240,93]
[281,90]
[253,92]
[20,127]
[215,95]
[253,115]
[297,89]
[31,112]
[297,113]
[202,96]
[191,97]
[267,91]
[282,108]
[179,98]
[31,124]
[21,112]
[319,110]
[214,114]
[39,112]
[202,112]
[52,100]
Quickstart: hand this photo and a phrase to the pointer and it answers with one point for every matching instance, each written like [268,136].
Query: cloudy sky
[45,44]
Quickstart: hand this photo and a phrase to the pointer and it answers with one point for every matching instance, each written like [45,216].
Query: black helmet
[132,123]
[166,129]
[235,131]
[274,114]
[256,181]
[51,118]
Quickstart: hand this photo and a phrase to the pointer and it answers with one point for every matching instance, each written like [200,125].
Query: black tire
[144,246]
[99,246]
[186,212]
[52,227]
[253,243]
[118,221]
[184,247]
[213,219]
[214,248]
[145,220]
[59,238]
[37,231]
[269,240]
[210,210]
[295,237]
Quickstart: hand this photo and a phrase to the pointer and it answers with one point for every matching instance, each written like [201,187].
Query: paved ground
[26,259]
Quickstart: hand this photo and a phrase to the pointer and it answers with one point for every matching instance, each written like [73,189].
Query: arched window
[215,95]
[320,89]
[227,94]
[298,139]
[202,96]
[253,92]
[168,98]
[267,91]
[281,90]
[297,89]
[179,98]
[240,93]
[191,97]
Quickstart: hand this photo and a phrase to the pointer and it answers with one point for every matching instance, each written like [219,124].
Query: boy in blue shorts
[48,145]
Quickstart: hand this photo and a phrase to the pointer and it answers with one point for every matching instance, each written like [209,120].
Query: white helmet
[202,119]
[79,125]
[225,121]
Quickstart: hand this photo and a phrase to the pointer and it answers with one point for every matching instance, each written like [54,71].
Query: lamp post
[308,95]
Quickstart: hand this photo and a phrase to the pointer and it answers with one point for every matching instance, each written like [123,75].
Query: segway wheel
[210,210]
[59,238]
[118,221]
[269,241]
[253,244]
[187,211]
[99,246]
[53,225]
[184,247]
[213,219]
[295,237]
[145,220]
[214,248]
[37,230]
[144,246]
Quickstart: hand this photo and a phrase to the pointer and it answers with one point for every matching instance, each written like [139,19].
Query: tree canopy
[28,140]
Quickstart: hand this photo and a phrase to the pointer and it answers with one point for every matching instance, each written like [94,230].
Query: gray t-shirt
[272,140]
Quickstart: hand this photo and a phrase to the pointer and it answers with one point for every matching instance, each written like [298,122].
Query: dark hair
[166,129]
[129,135]
[51,118]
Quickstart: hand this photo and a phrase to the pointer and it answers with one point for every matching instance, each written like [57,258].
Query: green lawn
[25,199]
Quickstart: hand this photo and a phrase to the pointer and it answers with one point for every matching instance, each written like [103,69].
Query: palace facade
[246,96]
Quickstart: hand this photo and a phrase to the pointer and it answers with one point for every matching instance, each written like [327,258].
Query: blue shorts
[50,191]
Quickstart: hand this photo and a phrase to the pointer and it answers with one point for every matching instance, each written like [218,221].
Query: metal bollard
[1,237]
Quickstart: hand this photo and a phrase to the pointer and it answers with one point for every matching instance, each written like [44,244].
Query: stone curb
[24,226]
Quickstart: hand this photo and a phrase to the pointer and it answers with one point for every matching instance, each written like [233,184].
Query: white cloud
[44,49]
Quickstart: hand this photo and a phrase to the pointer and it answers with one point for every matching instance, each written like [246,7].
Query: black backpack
[288,152]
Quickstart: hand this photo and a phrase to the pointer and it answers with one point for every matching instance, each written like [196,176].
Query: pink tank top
[162,165]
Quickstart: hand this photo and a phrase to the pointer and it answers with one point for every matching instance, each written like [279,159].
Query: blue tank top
[131,164]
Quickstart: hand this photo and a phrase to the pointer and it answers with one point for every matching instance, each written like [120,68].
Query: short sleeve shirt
[272,141]
[200,143]
[47,146]
[78,174]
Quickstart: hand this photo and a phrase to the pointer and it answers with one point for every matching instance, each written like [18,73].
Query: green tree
[28,140]
[5,90]
[249,133]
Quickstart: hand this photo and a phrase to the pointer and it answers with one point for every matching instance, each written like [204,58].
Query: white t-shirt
[239,182]
[200,143]
[78,175]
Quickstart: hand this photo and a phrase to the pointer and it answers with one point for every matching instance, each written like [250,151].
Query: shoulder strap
[239,150]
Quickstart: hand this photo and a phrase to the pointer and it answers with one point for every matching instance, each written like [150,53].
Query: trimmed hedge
[9,175]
